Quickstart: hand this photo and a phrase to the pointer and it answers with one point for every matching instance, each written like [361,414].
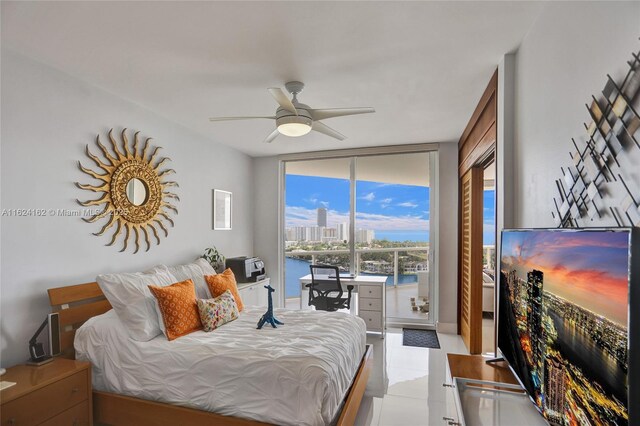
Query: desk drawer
[368,304]
[370,291]
[39,405]
[372,319]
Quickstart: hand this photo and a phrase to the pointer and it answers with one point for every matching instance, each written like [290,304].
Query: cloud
[301,216]
[325,204]
[411,204]
[390,223]
[368,197]
[311,200]
[587,268]
[384,203]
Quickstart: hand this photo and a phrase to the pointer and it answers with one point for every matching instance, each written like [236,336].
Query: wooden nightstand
[58,393]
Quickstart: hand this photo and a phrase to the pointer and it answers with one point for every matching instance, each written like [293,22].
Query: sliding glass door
[368,215]
[392,211]
[317,220]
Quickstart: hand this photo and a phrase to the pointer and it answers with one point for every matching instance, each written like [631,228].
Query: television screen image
[563,321]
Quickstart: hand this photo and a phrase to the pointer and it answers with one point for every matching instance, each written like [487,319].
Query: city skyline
[383,208]
[573,263]
[572,361]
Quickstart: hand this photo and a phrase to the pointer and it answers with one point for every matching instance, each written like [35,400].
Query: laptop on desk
[345,276]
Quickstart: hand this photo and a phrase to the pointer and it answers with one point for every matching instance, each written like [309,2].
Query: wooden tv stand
[485,394]
[475,367]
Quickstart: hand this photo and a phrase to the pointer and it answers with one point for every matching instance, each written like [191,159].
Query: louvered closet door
[471,260]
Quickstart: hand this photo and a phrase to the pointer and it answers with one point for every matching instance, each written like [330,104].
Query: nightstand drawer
[372,319]
[368,304]
[370,291]
[42,403]
[74,416]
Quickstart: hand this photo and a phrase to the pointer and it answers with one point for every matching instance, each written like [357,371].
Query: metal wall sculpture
[134,193]
[603,179]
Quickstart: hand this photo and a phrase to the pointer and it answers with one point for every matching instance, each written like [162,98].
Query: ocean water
[420,236]
[296,268]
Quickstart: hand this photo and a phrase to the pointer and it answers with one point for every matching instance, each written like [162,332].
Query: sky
[379,206]
[587,268]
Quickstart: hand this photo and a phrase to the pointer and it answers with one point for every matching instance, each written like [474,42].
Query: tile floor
[405,387]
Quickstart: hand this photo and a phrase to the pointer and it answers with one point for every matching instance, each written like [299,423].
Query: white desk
[371,299]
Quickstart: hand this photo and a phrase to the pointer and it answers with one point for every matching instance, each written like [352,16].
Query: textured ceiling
[421,65]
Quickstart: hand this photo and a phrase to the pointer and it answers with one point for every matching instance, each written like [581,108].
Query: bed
[318,378]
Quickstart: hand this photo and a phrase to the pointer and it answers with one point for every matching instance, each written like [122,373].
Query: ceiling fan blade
[271,136]
[237,118]
[282,99]
[321,114]
[323,128]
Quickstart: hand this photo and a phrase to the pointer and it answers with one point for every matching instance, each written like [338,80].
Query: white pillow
[194,271]
[132,300]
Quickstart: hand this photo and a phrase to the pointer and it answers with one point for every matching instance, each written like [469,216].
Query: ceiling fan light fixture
[294,126]
[295,119]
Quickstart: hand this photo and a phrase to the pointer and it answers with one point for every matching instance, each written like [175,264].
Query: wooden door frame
[476,148]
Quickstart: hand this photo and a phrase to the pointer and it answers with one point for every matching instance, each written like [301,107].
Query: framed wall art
[222,201]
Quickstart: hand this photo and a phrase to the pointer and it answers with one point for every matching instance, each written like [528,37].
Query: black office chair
[325,290]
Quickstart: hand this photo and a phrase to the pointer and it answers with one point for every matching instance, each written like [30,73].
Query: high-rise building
[330,233]
[365,236]
[322,217]
[297,233]
[343,231]
[534,319]
[554,389]
[314,233]
[305,233]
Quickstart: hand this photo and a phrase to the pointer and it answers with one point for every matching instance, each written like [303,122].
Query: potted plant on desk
[215,258]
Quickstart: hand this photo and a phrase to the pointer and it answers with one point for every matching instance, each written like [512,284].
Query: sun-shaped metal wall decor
[134,193]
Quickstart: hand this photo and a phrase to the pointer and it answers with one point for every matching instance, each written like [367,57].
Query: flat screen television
[564,320]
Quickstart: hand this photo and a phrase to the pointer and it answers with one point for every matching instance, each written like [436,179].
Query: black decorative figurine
[268,316]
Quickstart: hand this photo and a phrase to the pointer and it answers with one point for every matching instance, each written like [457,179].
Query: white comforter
[296,374]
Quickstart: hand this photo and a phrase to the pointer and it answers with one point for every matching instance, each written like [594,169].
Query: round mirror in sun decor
[135,194]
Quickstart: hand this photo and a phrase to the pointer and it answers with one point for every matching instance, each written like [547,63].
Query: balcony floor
[398,302]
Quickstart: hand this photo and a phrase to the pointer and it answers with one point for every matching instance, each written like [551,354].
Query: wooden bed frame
[77,303]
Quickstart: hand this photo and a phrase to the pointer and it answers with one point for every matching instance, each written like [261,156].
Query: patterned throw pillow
[178,306]
[220,283]
[218,311]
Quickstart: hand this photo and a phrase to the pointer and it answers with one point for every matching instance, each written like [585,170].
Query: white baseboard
[447,327]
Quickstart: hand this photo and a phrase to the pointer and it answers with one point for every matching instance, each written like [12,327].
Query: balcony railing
[488,257]
[359,252]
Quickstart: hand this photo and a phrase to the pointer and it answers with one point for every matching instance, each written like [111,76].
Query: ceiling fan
[296,119]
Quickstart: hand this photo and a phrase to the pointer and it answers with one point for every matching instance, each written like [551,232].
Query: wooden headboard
[75,304]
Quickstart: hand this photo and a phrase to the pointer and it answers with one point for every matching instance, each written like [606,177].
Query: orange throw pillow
[177,303]
[220,283]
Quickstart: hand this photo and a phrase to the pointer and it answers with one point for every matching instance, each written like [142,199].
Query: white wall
[563,60]
[47,119]
[448,238]
[504,144]
[266,220]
